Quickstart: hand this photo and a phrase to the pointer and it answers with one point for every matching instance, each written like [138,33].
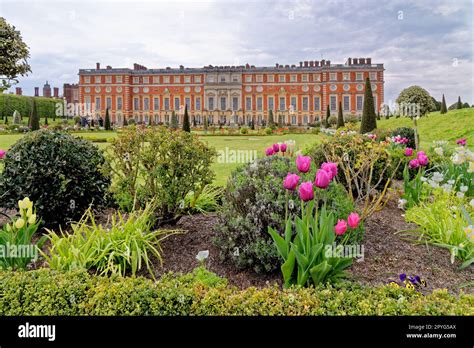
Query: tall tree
[369,121]
[34,118]
[459,104]
[271,121]
[14,53]
[125,122]
[186,124]
[206,123]
[326,120]
[444,109]
[174,121]
[107,120]
[340,117]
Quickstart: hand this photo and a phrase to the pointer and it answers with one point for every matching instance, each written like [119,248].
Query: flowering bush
[16,238]
[413,188]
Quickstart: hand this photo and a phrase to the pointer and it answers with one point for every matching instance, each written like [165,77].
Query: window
[259,78]
[271,103]
[211,103]
[166,79]
[293,119]
[146,79]
[333,76]
[187,101]
[248,103]
[156,103]
[87,79]
[292,78]
[304,78]
[108,79]
[359,76]
[97,103]
[210,79]
[305,119]
[281,78]
[282,103]
[198,103]
[223,103]
[177,79]
[108,103]
[136,104]
[317,103]
[235,103]
[167,104]
[270,78]
[305,103]
[293,102]
[119,103]
[146,104]
[136,80]
[346,103]
[197,79]
[176,103]
[187,79]
[97,79]
[333,103]
[373,76]
[235,78]
[259,103]
[360,102]
[248,78]
[346,76]
[156,79]
[222,78]
[118,79]
[317,77]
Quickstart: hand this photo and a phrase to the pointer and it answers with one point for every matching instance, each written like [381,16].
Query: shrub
[45,292]
[160,165]
[121,247]
[59,172]
[332,120]
[406,132]
[368,121]
[268,131]
[255,200]
[244,130]
[419,96]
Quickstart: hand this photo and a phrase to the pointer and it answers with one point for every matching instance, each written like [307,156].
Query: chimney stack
[316,63]
[18,91]
[36,91]
[109,67]
[97,66]
[311,63]
[361,60]
[355,61]
[328,62]
[349,61]
[305,63]
[56,92]
[368,61]
[323,62]
[301,64]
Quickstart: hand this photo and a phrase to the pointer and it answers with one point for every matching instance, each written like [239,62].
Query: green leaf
[280,243]
[288,267]
[319,272]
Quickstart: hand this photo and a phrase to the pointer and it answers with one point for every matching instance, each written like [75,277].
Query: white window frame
[359,76]
[270,78]
[118,79]
[344,96]
[332,76]
[146,79]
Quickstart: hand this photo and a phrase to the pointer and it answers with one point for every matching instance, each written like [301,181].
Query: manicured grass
[451,126]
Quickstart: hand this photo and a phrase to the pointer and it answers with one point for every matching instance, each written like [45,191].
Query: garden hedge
[44,292]
[9,103]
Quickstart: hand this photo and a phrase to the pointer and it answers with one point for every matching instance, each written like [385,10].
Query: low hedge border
[45,292]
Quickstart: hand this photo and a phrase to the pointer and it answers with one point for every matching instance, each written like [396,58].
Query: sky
[424,42]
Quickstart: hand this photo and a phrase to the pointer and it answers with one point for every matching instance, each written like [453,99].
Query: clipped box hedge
[44,292]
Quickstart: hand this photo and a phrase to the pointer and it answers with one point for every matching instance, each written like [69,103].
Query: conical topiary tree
[174,121]
[206,123]
[186,125]
[46,119]
[34,123]
[6,119]
[271,121]
[340,117]
[459,104]
[107,120]
[444,109]
[326,120]
[369,121]
[125,122]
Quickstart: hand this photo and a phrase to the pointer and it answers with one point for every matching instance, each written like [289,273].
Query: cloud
[424,42]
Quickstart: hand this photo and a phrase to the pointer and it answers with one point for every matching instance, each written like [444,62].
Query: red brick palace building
[237,94]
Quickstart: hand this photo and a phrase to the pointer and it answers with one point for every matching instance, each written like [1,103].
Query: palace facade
[298,94]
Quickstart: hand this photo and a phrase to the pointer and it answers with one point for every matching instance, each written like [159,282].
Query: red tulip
[414,163]
[331,168]
[322,179]
[283,147]
[303,163]
[291,181]
[341,227]
[269,151]
[306,191]
[353,220]
[276,148]
[408,151]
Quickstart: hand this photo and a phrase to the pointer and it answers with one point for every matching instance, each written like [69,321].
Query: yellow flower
[410,286]
[32,219]
[9,228]
[19,223]
[471,167]
[394,285]
[29,212]
[25,203]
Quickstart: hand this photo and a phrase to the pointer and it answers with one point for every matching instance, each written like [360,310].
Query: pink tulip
[303,163]
[353,220]
[414,163]
[269,151]
[420,153]
[323,178]
[291,181]
[423,160]
[276,148]
[331,168]
[306,191]
[408,151]
[341,227]
[283,147]
[461,141]
[2,153]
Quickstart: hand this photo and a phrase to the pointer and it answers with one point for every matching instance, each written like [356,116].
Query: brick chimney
[305,63]
[349,61]
[36,91]
[328,62]
[301,64]
[97,66]
[368,61]
[323,62]
[355,61]
[361,60]
[311,63]
[109,67]
[56,92]
[18,91]
[316,63]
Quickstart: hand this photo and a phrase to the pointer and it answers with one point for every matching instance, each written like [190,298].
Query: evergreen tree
[174,121]
[252,124]
[271,122]
[369,121]
[194,121]
[46,119]
[6,119]
[326,120]
[107,120]
[92,122]
[459,104]
[186,125]
[340,117]
[378,115]
[34,118]
[125,122]
[444,109]
[206,121]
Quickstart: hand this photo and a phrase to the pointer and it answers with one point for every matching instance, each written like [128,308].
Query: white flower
[472,202]
[433,184]
[202,255]
[402,203]
[464,188]
[439,151]
[437,177]
[447,187]
[460,194]
[458,158]
[423,179]
[451,182]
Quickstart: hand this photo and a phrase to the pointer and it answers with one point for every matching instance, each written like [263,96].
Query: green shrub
[332,120]
[60,173]
[45,292]
[158,165]
[244,130]
[268,131]
[255,200]
[207,201]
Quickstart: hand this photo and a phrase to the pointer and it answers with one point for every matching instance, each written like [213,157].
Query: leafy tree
[459,104]
[107,120]
[34,118]
[437,105]
[415,95]
[186,125]
[174,121]
[326,120]
[369,121]
[340,117]
[14,54]
[443,109]
[271,122]
[465,105]
[92,122]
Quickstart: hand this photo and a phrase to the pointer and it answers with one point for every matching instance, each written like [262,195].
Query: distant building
[36,91]
[18,91]
[47,90]
[71,93]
